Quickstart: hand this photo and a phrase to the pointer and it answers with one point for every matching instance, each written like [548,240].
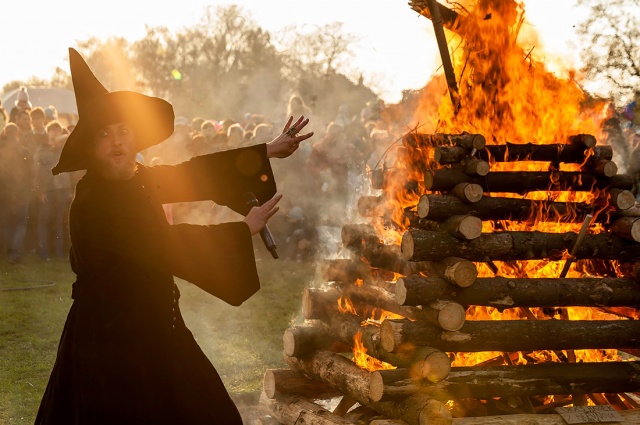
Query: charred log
[278,382]
[445,179]
[523,380]
[422,245]
[344,376]
[515,335]
[465,141]
[555,153]
[502,292]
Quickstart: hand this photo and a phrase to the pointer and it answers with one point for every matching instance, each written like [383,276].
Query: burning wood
[452,207]
[422,245]
[503,381]
[445,179]
[346,377]
[441,207]
[278,382]
[514,335]
[503,292]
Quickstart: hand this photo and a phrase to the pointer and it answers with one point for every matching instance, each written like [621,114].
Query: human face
[24,121]
[114,151]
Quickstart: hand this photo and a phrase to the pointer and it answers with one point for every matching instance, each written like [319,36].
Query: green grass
[241,342]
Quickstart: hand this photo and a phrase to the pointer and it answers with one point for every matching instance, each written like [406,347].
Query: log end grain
[479,142]
[464,226]
[622,199]
[460,272]
[289,343]
[407,246]
[433,365]
[468,192]
[451,316]
[423,206]
[391,335]
[400,292]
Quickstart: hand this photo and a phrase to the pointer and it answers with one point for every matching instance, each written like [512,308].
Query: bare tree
[318,50]
[611,37]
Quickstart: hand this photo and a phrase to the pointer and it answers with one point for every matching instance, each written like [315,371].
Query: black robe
[125,355]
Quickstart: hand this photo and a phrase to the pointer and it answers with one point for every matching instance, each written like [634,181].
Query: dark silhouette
[125,355]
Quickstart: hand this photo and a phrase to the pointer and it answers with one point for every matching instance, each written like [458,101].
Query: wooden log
[523,380]
[631,417]
[451,19]
[476,167]
[440,207]
[424,362]
[623,200]
[514,335]
[467,192]
[464,227]
[602,167]
[277,382]
[503,292]
[586,140]
[450,154]
[445,179]
[633,211]
[300,340]
[345,270]
[318,303]
[344,376]
[627,228]
[362,240]
[446,315]
[466,141]
[296,410]
[422,245]
[555,153]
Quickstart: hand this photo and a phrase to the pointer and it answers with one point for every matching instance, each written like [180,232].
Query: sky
[396,48]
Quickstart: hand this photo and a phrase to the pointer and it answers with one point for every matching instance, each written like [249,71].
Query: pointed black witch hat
[151,117]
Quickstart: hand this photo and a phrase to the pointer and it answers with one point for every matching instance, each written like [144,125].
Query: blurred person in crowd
[16,178]
[329,162]
[196,124]
[4,118]
[54,193]
[235,136]
[262,134]
[297,107]
[225,124]
[22,103]
[25,131]
[344,117]
[216,137]
[51,114]
[125,355]
[38,119]
[176,148]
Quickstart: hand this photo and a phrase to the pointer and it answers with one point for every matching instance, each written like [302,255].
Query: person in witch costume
[125,355]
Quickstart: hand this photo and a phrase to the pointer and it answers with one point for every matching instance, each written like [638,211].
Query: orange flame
[365,361]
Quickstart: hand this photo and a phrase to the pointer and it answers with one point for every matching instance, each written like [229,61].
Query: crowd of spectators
[35,204]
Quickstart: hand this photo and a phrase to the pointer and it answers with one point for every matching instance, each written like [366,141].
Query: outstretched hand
[288,141]
[258,216]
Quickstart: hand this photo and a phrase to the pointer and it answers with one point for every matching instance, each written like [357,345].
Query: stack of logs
[423,324]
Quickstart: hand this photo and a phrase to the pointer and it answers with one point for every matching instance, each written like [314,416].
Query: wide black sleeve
[221,177]
[218,259]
